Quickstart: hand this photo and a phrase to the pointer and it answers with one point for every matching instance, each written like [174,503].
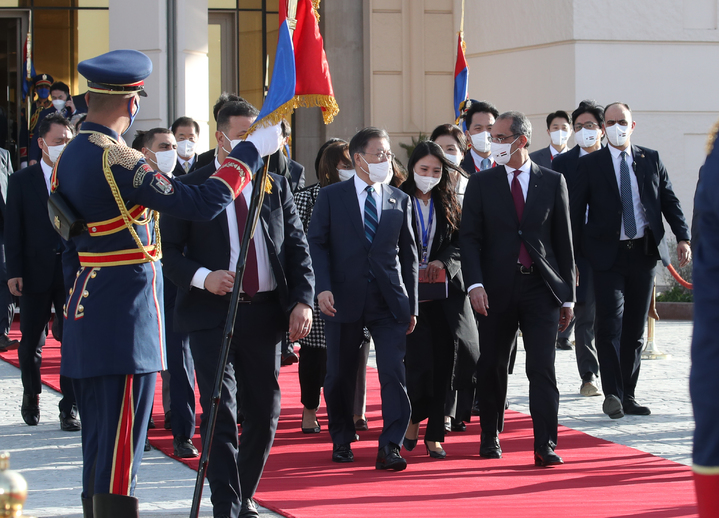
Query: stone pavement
[50,460]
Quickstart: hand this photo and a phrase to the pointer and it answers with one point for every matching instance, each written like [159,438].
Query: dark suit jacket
[31,242]
[80,104]
[343,257]
[456,307]
[206,158]
[34,151]
[180,171]
[468,163]
[491,233]
[297,174]
[189,245]
[596,185]
[542,157]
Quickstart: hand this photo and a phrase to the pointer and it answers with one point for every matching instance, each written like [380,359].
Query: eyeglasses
[622,122]
[382,156]
[501,140]
[587,125]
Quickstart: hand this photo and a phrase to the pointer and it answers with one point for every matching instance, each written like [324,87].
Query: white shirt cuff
[198,280]
[568,305]
[478,285]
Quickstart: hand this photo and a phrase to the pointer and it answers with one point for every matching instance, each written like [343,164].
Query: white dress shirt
[190,161]
[478,160]
[47,173]
[424,214]
[555,152]
[360,187]
[639,215]
[265,275]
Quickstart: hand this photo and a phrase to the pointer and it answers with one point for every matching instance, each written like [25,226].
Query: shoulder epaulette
[117,154]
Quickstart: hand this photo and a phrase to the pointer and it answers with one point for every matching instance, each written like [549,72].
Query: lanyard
[425,231]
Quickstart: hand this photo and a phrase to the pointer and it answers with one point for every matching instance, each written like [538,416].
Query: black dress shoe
[388,457]
[545,456]
[8,345]
[290,359]
[458,426]
[30,409]
[69,421]
[489,447]
[248,509]
[475,409]
[448,426]
[441,454]
[361,425]
[151,423]
[613,407]
[563,344]
[342,453]
[147,443]
[168,420]
[184,449]
[632,408]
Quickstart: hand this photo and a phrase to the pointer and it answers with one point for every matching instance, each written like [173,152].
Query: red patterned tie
[524,257]
[250,280]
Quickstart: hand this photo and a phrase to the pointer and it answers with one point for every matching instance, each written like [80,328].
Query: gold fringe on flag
[329,105]
[316,9]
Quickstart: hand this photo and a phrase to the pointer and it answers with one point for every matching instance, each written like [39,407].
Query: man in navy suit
[34,268]
[200,258]
[479,118]
[187,133]
[588,119]
[559,129]
[365,260]
[628,191]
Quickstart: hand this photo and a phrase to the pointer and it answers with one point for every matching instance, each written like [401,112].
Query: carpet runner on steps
[599,479]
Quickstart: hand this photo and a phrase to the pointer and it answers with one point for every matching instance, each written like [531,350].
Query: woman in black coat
[442,351]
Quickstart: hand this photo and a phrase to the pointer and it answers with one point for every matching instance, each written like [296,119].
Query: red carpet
[599,479]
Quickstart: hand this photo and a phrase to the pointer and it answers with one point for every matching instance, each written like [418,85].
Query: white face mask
[233,143]
[455,159]
[587,137]
[501,152]
[559,137]
[166,160]
[618,135]
[481,142]
[186,148]
[425,183]
[345,174]
[53,152]
[59,104]
[379,173]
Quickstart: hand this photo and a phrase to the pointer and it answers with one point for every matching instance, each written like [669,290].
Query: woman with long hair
[454,144]
[442,351]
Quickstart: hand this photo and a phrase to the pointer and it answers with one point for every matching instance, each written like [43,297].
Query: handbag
[438,290]
[64,218]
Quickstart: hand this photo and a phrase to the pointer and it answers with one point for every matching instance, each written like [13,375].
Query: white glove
[267,140]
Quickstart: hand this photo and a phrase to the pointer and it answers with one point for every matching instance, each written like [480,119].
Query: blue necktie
[370,215]
[486,163]
[625,187]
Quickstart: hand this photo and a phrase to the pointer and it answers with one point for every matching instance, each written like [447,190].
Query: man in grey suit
[559,129]
[7,308]
[365,260]
[518,262]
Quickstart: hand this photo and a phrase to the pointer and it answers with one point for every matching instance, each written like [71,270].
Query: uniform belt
[631,243]
[526,271]
[118,258]
[110,226]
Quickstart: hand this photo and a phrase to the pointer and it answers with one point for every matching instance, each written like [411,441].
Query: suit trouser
[343,343]
[252,369]
[115,411]
[7,306]
[311,370]
[182,378]
[623,294]
[533,309]
[584,311]
[36,310]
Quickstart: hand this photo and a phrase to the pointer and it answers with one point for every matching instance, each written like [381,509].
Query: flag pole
[256,200]
[461,20]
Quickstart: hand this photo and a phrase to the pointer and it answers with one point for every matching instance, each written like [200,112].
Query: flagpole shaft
[461,20]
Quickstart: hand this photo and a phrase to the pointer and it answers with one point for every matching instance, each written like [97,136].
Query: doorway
[13,25]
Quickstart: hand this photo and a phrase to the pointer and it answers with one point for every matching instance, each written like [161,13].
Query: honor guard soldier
[113,343]
[41,85]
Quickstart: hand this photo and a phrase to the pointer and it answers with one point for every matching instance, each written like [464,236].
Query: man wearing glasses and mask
[618,200]
[365,261]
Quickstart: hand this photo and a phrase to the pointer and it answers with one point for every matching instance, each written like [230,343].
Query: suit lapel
[389,202]
[535,178]
[502,186]
[639,167]
[606,167]
[349,197]
[38,180]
